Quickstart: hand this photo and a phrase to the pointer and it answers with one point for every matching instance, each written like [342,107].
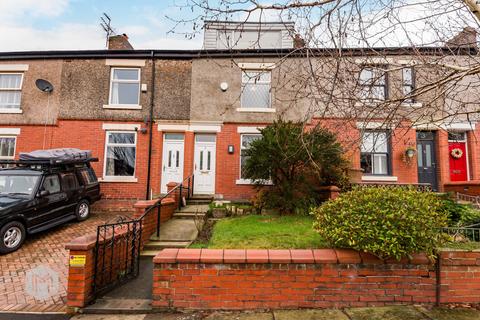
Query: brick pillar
[473,144]
[175,195]
[443,167]
[80,277]
[149,223]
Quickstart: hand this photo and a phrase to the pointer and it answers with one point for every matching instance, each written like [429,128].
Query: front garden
[290,213]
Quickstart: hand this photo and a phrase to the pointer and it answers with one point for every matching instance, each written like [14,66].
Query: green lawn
[262,232]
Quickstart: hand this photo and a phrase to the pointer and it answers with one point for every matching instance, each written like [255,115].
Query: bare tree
[350,49]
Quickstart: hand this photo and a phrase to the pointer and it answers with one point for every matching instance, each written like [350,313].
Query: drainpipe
[150,130]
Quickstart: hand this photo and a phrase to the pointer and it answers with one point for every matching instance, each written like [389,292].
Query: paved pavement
[381,313]
[40,267]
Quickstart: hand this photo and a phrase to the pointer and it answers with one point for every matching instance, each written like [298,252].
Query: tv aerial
[106,24]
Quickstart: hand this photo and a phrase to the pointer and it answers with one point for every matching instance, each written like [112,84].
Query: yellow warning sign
[78,260]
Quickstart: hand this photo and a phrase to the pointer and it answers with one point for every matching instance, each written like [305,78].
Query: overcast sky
[74,24]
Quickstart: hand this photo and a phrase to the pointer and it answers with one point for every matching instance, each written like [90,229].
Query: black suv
[36,195]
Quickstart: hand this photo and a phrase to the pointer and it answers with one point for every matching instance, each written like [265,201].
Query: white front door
[204,165]
[172,163]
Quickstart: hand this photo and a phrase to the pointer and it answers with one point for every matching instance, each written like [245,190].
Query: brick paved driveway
[43,250]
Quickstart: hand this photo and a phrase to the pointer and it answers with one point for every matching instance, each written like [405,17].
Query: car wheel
[83,210]
[12,236]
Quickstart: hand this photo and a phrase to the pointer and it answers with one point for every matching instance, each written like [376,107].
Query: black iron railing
[118,244]
[467,233]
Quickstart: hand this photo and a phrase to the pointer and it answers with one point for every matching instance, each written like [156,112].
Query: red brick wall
[228,165]
[468,187]
[278,279]
[90,135]
[80,278]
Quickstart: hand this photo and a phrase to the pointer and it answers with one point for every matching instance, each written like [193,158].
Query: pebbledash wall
[322,278]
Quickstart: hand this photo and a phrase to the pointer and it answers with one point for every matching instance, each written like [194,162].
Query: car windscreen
[18,184]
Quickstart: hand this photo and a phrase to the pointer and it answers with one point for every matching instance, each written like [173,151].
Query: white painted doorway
[172,163]
[204,164]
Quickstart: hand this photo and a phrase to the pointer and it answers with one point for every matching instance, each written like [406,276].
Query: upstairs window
[408,77]
[256,88]
[373,83]
[7,147]
[10,90]
[125,86]
[120,152]
[375,153]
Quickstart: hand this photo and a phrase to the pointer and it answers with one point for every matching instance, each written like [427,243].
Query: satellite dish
[44,85]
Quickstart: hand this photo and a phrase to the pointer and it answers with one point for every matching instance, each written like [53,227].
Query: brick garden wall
[281,279]
[468,187]
[80,278]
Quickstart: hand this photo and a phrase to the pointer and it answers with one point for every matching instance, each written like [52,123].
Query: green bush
[460,215]
[387,222]
[297,161]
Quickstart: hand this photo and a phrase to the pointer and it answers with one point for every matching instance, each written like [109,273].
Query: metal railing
[471,232]
[474,200]
[158,205]
[118,244]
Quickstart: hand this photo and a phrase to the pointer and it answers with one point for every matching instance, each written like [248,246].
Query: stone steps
[188,215]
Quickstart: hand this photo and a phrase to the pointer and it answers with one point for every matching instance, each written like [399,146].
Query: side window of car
[88,176]
[51,184]
[69,181]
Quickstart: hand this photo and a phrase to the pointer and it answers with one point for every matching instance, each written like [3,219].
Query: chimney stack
[467,38]
[119,42]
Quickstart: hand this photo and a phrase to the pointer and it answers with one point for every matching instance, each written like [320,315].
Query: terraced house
[158,116]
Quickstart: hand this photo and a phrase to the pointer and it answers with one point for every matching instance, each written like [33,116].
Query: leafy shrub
[297,161]
[460,215]
[387,222]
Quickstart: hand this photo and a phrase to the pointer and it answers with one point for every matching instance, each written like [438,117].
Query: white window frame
[388,153]
[112,81]
[374,82]
[257,109]
[14,147]
[13,110]
[242,181]
[408,86]
[107,144]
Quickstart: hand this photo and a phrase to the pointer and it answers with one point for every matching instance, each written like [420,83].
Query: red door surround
[458,161]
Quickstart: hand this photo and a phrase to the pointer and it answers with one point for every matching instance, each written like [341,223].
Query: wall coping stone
[82,243]
[295,256]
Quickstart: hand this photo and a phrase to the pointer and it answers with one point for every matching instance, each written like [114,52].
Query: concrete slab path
[384,313]
[178,230]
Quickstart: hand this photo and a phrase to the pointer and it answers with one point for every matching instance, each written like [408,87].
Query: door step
[119,306]
[194,208]
[188,215]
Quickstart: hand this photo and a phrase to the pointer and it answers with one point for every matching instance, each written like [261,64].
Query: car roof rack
[48,162]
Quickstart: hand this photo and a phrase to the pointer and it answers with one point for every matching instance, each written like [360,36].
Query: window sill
[118,179]
[266,110]
[122,106]
[11,110]
[380,178]
[251,182]
[369,103]
[412,104]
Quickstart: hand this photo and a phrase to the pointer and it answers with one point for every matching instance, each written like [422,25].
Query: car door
[71,188]
[52,205]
